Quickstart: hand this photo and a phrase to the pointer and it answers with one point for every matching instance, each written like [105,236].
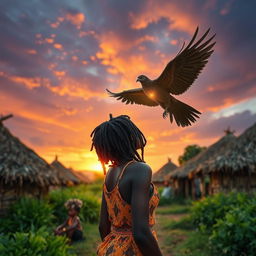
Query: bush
[207,212]
[27,214]
[40,243]
[165,201]
[89,211]
[234,235]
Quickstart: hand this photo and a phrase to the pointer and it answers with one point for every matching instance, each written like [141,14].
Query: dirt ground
[167,238]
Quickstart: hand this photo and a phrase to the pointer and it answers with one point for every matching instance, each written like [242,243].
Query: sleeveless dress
[120,241]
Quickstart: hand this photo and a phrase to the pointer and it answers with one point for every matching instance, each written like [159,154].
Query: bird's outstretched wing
[180,73]
[132,96]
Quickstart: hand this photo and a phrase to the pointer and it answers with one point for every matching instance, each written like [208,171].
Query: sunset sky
[57,58]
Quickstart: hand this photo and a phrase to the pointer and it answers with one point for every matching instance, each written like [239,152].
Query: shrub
[234,235]
[165,201]
[27,214]
[89,211]
[40,243]
[205,213]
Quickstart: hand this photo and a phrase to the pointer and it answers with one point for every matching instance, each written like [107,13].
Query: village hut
[82,176]
[159,176]
[235,167]
[185,176]
[22,171]
[65,174]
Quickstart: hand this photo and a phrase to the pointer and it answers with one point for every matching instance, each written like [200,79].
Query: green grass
[88,247]
[173,209]
[195,244]
[177,233]
[183,224]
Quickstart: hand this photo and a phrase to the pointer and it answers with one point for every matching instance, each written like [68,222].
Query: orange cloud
[178,18]
[49,40]
[224,85]
[74,88]
[74,58]
[110,54]
[76,19]
[58,46]
[59,73]
[31,51]
[227,102]
[29,82]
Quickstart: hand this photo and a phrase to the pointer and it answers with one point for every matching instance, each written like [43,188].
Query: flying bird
[178,75]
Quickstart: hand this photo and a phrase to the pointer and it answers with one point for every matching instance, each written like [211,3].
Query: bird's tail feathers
[183,114]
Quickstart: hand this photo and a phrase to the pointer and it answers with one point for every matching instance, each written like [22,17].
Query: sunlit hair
[74,204]
[118,140]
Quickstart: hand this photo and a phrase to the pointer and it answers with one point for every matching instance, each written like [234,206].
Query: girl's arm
[104,225]
[142,234]
[62,225]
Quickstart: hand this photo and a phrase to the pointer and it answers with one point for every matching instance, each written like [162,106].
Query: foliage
[38,243]
[89,211]
[165,201]
[27,214]
[234,235]
[205,213]
[230,223]
[190,152]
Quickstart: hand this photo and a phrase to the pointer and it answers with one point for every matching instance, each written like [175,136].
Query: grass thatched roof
[64,173]
[240,155]
[192,164]
[166,169]
[19,164]
[82,176]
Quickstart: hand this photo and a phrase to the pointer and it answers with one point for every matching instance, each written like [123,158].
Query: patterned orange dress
[120,241]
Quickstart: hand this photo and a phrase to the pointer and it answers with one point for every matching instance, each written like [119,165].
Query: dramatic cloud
[57,59]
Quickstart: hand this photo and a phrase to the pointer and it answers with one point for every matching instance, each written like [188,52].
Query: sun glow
[151,95]
[95,166]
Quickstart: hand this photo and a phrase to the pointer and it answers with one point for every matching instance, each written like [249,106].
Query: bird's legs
[165,114]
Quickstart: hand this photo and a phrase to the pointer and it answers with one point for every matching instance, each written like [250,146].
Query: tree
[189,152]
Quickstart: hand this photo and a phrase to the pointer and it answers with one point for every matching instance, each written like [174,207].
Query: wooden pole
[3,118]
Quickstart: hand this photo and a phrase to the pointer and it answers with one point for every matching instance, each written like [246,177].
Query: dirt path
[167,238]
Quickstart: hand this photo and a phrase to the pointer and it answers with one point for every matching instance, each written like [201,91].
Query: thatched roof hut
[166,169]
[191,165]
[82,176]
[19,164]
[22,171]
[240,155]
[65,174]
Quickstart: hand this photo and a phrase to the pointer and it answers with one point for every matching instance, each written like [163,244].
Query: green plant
[234,235]
[165,201]
[38,243]
[189,152]
[89,211]
[208,211]
[27,214]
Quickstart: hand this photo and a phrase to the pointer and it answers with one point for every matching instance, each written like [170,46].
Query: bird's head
[142,79]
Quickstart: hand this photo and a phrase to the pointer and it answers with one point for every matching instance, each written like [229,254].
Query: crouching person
[72,227]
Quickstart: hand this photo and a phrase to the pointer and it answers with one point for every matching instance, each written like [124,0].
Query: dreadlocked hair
[118,139]
[74,204]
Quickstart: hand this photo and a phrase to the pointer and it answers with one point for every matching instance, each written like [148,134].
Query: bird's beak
[137,80]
